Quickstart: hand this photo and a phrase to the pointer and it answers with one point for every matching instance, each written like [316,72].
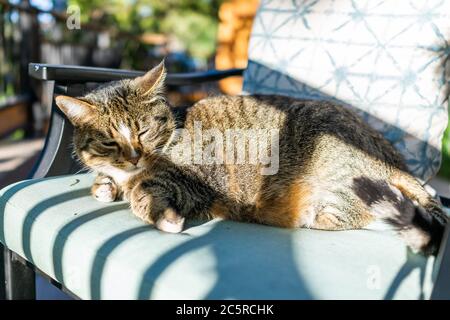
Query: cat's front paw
[141,202]
[154,210]
[105,190]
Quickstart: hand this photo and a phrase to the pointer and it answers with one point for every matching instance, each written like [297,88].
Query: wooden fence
[235,23]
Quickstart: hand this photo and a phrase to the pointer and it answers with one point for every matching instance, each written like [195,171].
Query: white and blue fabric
[386,58]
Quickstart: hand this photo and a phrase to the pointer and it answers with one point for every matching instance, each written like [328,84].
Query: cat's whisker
[88,170]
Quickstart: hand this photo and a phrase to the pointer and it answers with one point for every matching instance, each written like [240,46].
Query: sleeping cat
[332,171]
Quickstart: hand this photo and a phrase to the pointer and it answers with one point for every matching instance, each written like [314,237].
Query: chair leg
[19,278]
[2,274]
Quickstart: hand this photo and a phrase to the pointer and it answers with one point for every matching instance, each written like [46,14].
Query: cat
[333,171]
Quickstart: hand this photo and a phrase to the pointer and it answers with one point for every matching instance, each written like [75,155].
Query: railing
[14,115]
[25,37]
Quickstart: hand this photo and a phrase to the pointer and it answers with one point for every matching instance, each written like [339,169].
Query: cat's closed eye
[162,119]
[143,132]
[109,144]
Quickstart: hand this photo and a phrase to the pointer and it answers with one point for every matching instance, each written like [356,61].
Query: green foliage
[445,166]
[192,22]
[17,135]
[196,31]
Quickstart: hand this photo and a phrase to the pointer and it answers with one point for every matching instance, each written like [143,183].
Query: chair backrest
[388,59]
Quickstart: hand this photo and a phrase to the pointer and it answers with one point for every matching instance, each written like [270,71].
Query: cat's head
[121,124]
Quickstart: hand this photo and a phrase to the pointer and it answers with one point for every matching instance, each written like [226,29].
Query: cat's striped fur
[335,172]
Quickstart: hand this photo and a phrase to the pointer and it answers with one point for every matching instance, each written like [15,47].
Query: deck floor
[17,159]
[16,162]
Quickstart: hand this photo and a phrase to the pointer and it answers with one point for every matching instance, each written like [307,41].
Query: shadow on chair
[249,271]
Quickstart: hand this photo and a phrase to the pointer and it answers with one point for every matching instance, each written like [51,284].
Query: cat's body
[333,171]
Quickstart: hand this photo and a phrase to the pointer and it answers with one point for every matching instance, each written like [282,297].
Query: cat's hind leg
[333,218]
[406,205]
[309,205]
[105,189]
[334,209]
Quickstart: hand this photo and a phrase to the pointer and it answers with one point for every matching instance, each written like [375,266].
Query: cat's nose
[134,160]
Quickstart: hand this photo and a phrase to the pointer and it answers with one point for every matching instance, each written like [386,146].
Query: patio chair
[365,58]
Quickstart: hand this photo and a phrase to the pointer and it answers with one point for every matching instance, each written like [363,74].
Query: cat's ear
[77,111]
[152,81]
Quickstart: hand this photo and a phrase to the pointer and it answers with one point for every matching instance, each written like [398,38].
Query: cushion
[386,59]
[101,251]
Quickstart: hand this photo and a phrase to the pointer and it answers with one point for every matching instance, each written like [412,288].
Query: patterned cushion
[386,58]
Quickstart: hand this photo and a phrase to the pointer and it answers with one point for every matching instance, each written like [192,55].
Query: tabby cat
[333,171]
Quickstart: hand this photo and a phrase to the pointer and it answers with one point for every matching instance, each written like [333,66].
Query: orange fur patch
[284,210]
[219,210]
[409,187]
[233,185]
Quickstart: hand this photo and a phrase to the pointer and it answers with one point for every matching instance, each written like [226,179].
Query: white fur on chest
[118,175]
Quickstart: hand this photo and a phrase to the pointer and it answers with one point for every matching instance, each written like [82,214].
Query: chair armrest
[64,74]
[441,289]
[445,201]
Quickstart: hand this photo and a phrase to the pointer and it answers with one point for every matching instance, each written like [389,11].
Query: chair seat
[99,250]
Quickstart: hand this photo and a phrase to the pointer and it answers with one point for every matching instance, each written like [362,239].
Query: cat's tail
[405,204]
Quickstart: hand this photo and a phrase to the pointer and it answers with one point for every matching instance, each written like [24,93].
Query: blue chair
[388,62]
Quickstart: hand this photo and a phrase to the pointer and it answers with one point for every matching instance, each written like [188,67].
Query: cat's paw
[105,190]
[154,210]
[418,241]
[141,202]
[170,221]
